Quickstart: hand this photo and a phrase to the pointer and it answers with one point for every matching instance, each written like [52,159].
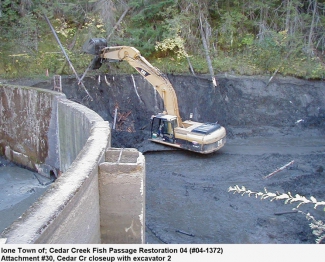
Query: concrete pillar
[122,197]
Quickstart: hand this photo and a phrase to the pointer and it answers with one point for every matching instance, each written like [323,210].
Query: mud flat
[19,189]
[188,199]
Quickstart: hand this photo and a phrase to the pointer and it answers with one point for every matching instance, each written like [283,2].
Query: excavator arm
[167,128]
[152,74]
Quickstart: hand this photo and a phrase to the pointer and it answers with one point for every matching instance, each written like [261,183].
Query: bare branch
[280,169]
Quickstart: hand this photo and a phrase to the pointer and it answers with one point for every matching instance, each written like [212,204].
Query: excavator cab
[162,128]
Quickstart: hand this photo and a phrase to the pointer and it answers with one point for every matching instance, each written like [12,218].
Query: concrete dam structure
[99,193]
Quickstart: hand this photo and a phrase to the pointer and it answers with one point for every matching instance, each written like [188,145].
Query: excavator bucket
[94,45]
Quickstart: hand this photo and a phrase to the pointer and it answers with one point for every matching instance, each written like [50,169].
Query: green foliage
[172,46]
[148,24]
[9,13]
[270,51]
[27,29]
[171,65]
[246,40]
[230,37]
[244,37]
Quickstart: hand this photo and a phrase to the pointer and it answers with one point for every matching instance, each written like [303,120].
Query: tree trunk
[311,32]
[205,46]
[287,28]
[66,56]
[118,22]
[190,66]
[70,47]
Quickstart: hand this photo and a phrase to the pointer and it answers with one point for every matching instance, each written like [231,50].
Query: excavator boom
[149,72]
[166,128]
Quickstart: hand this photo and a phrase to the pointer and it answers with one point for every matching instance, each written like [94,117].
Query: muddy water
[188,199]
[19,189]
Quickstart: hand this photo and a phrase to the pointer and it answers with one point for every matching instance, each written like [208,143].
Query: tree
[260,31]
[148,24]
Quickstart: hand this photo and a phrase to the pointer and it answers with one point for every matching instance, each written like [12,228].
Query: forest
[244,37]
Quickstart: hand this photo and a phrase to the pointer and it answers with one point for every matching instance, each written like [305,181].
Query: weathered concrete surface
[75,123]
[77,190]
[27,127]
[69,210]
[122,197]
[41,129]
[54,135]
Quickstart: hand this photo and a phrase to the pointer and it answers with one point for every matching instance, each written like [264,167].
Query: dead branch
[123,116]
[285,212]
[184,233]
[118,22]
[280,169]
[190,66]
[66,56]
[276,71]
[206,48]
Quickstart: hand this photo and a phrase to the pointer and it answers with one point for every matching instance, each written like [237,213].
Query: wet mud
[19,189]
[188,199]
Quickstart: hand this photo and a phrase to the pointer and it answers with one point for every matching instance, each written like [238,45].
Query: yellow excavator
[166,128]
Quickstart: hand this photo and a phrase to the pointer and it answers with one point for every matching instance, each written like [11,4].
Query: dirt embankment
[239,103]
[187,194]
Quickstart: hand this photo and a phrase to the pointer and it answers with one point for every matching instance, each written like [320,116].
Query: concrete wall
[69,210]
[44,131]
[75,123]
[41,129]
[28,133]
[48,133]
[122,196]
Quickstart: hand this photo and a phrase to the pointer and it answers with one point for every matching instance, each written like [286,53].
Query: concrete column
[122,197]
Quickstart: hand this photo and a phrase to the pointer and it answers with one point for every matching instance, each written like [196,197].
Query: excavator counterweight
[167,128]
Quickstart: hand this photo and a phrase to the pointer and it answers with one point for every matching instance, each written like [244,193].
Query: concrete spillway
[45,132]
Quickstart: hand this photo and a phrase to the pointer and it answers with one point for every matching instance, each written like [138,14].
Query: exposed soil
[187,198]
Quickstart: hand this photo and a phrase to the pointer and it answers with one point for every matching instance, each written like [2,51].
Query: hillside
[207,37]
